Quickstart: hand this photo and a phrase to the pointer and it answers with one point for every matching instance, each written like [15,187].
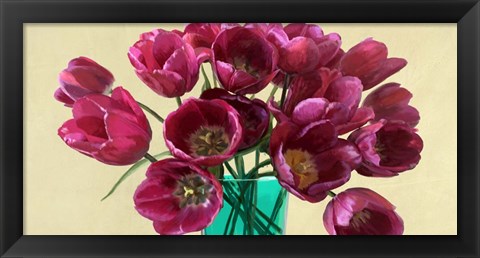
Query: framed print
[124,123]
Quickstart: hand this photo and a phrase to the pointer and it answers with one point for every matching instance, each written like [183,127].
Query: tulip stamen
[192,190]
[243,65]
[360,218]
[379,149]
[208,141]
[302,164]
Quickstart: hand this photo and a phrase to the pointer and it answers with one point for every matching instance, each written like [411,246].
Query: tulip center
[379,149]
[302,164]
[360,218]
[192,190]
[242,64]
[208,141]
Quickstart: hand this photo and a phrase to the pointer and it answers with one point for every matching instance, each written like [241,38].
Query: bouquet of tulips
[314,135]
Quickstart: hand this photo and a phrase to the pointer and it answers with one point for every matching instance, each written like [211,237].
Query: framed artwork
[274,118]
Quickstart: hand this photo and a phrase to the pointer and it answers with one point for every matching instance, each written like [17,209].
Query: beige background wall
[62,188]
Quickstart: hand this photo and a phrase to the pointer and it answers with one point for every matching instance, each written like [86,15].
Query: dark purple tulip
[390,102]
[205,132]
[361,211]
[82,77]
[254,114]
[368,61]
[165,63]
[311,160]
[178,196]
[387,148]
[244,61]
[113,130]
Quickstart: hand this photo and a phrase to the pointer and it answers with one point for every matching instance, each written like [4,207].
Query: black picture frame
[13,13]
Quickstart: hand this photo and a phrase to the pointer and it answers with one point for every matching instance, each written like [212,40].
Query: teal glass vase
[251,207]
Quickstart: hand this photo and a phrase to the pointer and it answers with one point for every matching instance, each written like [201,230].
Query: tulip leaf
[206,84]
[130,171]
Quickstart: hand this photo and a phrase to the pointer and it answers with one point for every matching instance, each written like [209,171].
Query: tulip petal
[240,80]
[363,58]
[361,117]
[76,138]
[386,69]
[346,90]
[309,111]
[224,72]
[390,102]
[303,30]
[165,45]
[299,55]
[60,95]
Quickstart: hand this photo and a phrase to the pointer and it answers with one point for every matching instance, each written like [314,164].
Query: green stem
[258,225]
[214,78]
[253,148]
[179,101]
[272,93]
[240,165]
[149,110]
[259,166]
[277,206]
[230,169]
[252,97]
[331,194]
[269,173]
[257,210]
[130,171]
[284,90]
[150,158]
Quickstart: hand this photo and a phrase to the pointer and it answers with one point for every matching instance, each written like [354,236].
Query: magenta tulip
[205,132]
[113,130]
[311,160]
[201,36]
[368,61]
[361,211]
[390,102]
[178,196]
[387,148]
[324,96]
[304,48]
[82,76]
[254,114]
[165,63]
[244,61]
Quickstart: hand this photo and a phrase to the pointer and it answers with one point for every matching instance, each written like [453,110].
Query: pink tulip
[254,114]
[361,211]
[387,148]
[311,160]
[202,35]
[306,48]
[165,63]
[82,76]
[204,132]
[178,196]
[113,130]
[244,61]
[368,61]
[324,95]
[390,102]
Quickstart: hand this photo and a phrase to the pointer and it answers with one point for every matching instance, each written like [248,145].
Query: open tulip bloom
[315,133]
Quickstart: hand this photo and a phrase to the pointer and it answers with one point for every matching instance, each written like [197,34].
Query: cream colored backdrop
[62,188]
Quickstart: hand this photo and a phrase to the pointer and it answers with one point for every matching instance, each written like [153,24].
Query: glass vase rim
[229,178]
